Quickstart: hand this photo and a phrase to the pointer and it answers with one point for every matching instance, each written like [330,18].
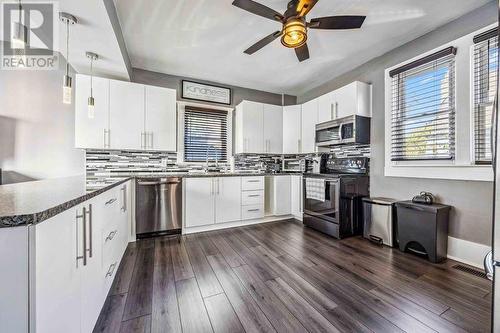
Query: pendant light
[19,38]
[91,103]
[67,81]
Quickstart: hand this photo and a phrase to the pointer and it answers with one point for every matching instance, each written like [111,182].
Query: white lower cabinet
[71,262]
[212,200]
[228,199]
[296,196]
[280,195]
[199,202]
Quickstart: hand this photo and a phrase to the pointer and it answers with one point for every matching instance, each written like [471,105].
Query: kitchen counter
[33,202]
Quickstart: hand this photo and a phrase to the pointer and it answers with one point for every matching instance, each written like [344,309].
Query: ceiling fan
[294,31]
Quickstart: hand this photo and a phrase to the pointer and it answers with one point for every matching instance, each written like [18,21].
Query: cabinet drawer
[252,212]
[252,183]
[252,197]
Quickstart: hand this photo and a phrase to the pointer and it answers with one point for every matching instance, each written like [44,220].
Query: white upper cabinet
[326,109]
[273,131]
[126,115]
[249,127]
[291,129]
[160,121]
[91,132]
[352,99]
[309,121]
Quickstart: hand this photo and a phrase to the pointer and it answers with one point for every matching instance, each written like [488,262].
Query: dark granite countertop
[33,202]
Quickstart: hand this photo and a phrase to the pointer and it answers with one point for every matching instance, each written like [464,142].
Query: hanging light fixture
[91,102]
[67,19]
[19,38]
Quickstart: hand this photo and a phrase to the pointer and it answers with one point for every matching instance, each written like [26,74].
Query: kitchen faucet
[216,159]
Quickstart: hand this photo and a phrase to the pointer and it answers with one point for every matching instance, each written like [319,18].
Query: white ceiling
[205,39]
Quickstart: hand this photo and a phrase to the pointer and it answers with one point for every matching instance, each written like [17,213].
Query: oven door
[327,210]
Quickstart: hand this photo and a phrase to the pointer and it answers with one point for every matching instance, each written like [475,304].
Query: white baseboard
[220,226]
[467,252]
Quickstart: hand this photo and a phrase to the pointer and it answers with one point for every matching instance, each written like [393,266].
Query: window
[205,132]
[423,108]
[485,85]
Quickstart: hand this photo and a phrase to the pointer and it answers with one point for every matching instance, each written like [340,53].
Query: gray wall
[37,131]
[238,93]
[472,201]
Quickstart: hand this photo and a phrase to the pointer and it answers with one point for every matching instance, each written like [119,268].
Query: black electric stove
[332,198]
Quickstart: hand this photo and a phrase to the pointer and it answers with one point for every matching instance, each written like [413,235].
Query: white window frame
[463,167]
[181,107]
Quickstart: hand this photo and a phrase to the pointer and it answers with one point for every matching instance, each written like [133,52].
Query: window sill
[483,173]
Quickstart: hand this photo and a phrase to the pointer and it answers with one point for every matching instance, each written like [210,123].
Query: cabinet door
[346,103]
[325,108]
[58,272]
[291,129]
[161,119]
[227,199]
[199,202]
[126,116]
[309,120]
[282,198]
[252,118]
[90,133]
[92,290]
[273,129]
[296,195]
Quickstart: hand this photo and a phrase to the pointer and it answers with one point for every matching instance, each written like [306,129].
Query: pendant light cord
[91,75]
[67,48]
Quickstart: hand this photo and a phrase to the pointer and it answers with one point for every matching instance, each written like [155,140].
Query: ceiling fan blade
[302,52]
[305,6]
[258,9]
[337,22]
[263,42]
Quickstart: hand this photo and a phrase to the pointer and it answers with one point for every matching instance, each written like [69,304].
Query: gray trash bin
[378,220]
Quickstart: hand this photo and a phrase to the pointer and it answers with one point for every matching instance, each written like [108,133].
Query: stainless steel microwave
[347,130]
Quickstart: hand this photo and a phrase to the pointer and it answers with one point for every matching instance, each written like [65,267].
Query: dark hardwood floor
[287,278]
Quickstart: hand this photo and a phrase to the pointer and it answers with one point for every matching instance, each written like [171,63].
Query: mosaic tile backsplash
[104,167]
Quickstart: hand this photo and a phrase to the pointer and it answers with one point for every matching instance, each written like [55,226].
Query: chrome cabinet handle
[124,206]
[254,196]
[151,141]
[107,133]
[89,212]
[111,269]
[332,112]
[218,186]
[110,201]
[336,114]
[111,235]
[253,181]
[253,210]
[143,140]
[82,216]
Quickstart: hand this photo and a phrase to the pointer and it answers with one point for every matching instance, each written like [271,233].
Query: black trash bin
[423,229]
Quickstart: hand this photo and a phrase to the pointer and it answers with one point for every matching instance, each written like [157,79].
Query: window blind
[205,132]
[423,108]
[485,85]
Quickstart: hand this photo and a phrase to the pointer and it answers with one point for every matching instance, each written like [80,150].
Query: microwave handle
[340,132]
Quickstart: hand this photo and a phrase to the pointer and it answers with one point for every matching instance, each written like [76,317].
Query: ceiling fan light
[294,33]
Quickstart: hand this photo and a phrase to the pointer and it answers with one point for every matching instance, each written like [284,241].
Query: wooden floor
[287,278]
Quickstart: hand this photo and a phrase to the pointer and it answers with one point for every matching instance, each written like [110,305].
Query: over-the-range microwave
[347,130]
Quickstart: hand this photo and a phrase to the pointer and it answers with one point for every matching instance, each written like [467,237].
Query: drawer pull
[253,210]
[110,201]
[111,235]
[253,181]
[254,195]
[111,269]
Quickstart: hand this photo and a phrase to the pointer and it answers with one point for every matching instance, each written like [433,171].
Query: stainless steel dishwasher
[158,206]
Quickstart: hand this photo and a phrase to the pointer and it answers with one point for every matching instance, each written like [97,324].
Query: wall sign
[205,92]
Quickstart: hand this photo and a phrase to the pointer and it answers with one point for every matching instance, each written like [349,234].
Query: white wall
[36,128]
